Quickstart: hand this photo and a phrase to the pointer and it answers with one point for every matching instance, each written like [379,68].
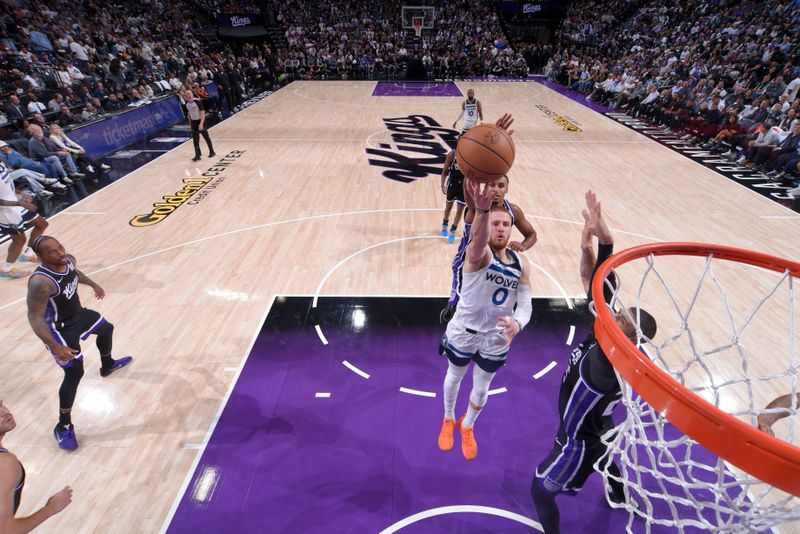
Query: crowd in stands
[358,39]
[64,64]
[724,75]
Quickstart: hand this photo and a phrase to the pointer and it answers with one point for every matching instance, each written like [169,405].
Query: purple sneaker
[118,364]
[66,437]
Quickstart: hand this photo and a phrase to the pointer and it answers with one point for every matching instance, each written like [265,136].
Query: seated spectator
[41,122]
[14,109]
[34,106]
[75,74]
[56,102]
[63,142]
[89,113]
[63,76]
[84,95]
[42,149]
[67,118]
[100,92]
[112,104]
[70,99]
[137,99]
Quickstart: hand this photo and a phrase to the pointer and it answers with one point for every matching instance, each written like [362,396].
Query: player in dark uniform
[12,480]
[57,317]
[589,392]
[453,189]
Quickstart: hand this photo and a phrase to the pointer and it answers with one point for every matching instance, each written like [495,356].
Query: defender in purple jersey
[57,317]
[589,391]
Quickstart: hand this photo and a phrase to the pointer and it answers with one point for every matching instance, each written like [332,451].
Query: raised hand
[505,122]
[594,222]
[483,196]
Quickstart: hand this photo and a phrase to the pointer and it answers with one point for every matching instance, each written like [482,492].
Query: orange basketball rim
[767,458]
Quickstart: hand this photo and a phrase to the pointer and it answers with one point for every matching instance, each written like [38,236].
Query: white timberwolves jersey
[489,293]
[470,114]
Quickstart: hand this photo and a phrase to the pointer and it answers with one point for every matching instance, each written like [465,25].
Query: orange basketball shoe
[446,434]
[469,447]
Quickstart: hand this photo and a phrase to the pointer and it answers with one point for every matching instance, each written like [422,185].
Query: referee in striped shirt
[196,113]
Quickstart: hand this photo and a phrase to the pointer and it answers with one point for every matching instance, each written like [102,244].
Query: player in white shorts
[471,110]
[495,306]
[15,211]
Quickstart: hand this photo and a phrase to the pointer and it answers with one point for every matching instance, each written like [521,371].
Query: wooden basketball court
[296,209]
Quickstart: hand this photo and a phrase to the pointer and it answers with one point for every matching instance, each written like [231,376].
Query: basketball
[485,153]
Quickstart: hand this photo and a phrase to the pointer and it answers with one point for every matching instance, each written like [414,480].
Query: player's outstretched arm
[596,226]
[478,253]
[9,476]
[480,110]
[766,420]
[588,258]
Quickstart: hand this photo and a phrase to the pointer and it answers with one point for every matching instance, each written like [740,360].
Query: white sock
[7,267]
[452,381]
[469,419]
[481,380]
[28,252]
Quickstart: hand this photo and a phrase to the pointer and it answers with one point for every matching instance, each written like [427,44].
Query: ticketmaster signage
[117,131]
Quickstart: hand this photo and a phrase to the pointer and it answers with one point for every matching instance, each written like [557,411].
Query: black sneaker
[196,158]
[447,313]
[212,154]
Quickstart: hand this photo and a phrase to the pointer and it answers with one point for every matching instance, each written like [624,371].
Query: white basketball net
[671,478]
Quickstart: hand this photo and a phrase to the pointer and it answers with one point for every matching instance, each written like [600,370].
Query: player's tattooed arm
[40,289]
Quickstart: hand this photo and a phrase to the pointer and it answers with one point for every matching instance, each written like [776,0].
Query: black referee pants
[196,131]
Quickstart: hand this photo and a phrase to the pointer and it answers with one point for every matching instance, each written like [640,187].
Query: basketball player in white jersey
[471,110]
[496,280]
[15,211]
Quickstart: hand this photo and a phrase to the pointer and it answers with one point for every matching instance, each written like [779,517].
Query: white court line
[779,216]
[84,213]
[215,421]
[230,370]
[417,392]
[497,391]
[571,334]
[461,509]
[355,369]
[544,371]
[322,395]
[356,253]
[320,334]
[232,232]
[581,223]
